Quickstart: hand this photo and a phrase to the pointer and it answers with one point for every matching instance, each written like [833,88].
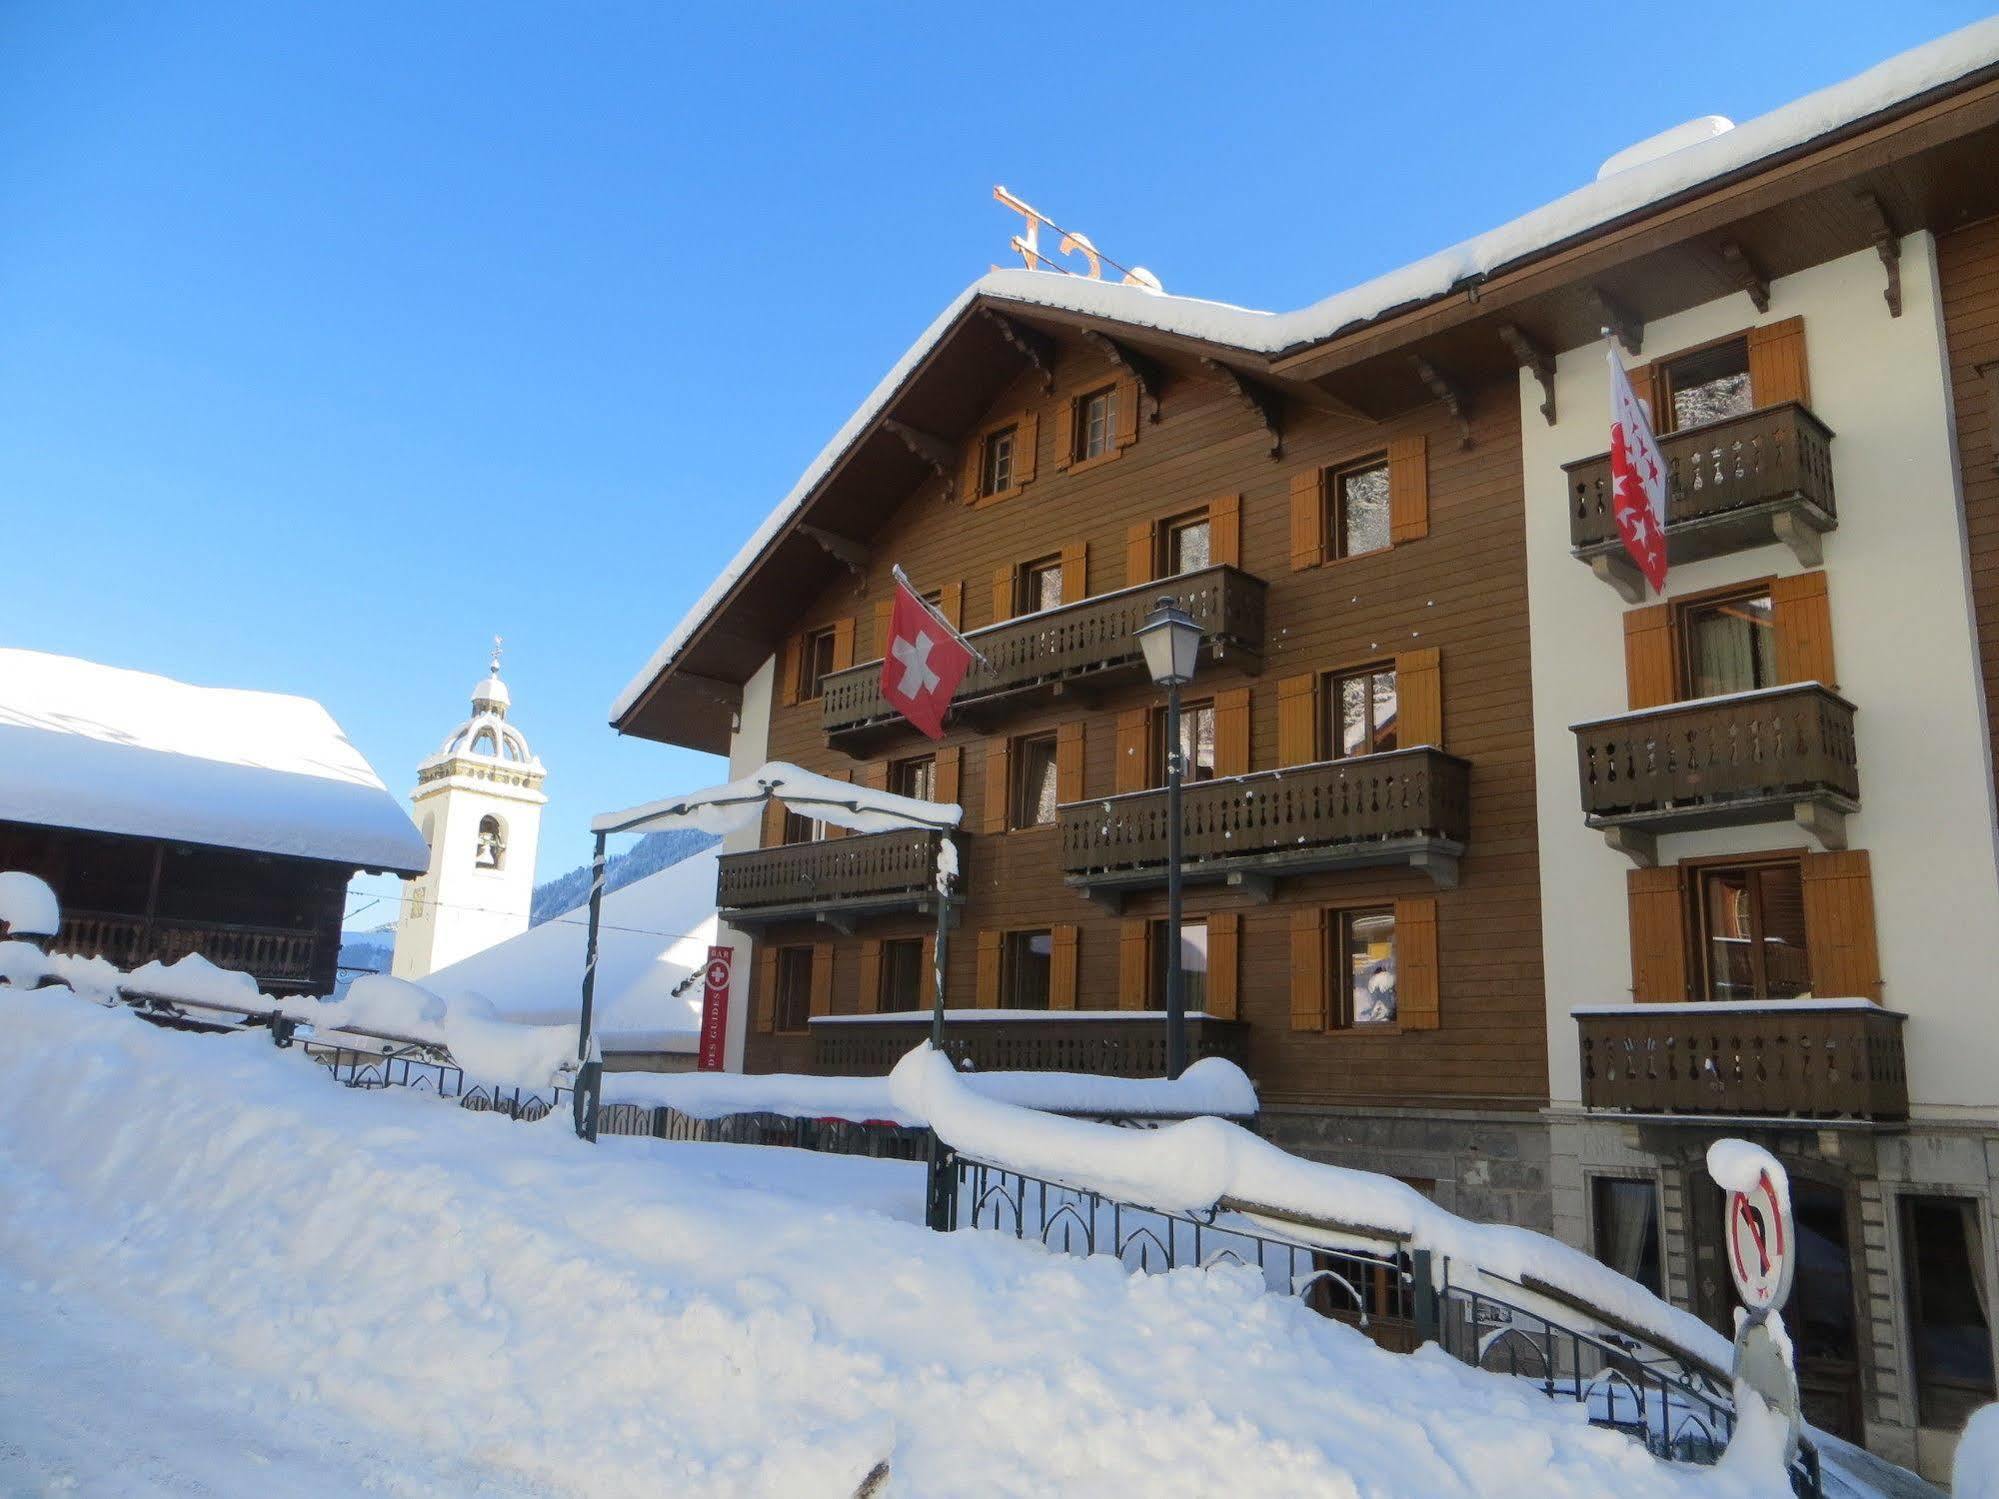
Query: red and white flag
[1637,479]
[923,662]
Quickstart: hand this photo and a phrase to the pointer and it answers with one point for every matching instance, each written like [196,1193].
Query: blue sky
[335,339]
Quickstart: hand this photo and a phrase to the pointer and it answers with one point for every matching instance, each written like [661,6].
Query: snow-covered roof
[654,933]
[1650,180]
[83,745]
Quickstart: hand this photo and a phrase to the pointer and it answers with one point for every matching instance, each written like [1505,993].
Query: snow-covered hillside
[529,1314]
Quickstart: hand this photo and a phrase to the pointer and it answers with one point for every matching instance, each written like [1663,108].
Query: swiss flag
[923,662]
[1637,479]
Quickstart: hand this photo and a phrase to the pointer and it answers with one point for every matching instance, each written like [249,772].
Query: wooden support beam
[1619,320]
[1454,397]
[1748,275]
[1887,244]
[933,450]
[1532,357]
[1036,348]
[845,548]
[1149,373]
[1266,405]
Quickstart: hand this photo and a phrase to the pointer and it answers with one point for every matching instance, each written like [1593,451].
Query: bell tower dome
[478,801]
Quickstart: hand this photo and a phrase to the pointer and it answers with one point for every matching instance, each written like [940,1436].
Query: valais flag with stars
[924,661]
[1637,479]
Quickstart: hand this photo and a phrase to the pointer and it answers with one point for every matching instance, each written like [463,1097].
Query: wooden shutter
[1132,770]
[989,970]
[1133,965]
[1026,438]
[1141,551]
[788,670]
[1065,441]
[874,775]
[1308,518]
[1224,964]
[968,478]
[951,604]
[833,829]
[1777,368]
[1069,762]
[926,993]
[1650,680]
[1803,617]
[773,824]
[1644,380]
[1839,926]
[1002,594]
[766,989]
[1225,530]
[997,786]
[871,977]
[822,978]
[1308,969]
[949,760]
[1658,934]
[843,643]
[1127,412]
[1408,488]
[1416,1004]
[1062,969]
[884,612]
[1075,572]
[1419,699]
[1298,720]
[1232,732]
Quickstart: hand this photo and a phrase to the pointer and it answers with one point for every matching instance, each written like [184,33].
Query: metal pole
[1176,1012]
[937,953]
[585,1097]
[938,1211]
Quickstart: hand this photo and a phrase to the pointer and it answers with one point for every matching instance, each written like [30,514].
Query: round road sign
[1762,1245]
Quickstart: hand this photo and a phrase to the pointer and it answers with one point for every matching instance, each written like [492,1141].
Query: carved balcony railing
[1791,1059]
[1123,1045]
[834,880]
[1094,640]
[1784,752]
[1740,482]
[1403,807]
[279,956]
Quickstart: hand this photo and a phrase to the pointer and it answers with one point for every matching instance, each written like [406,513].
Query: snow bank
[640,1318]
[27,906]
[24,965]
[1975,1473]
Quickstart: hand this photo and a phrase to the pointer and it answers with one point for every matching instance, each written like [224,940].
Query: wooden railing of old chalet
[1786,1059]
[877,869]
[1704,762]
[1725,481]
[279,955]
[1094,638]
[1124,1045]
[1369,809]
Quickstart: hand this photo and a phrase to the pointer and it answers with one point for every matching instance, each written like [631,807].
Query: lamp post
[1171,642]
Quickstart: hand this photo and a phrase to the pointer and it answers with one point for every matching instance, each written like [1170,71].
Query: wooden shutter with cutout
[1003,594]
[1133,767]
[1658,934]
[1127,412]
[1069,761]
[1803,618]
[1308,969]
[1777,368]
[1308,518]
[1651,679]
[1062,968]
[989,970]
[1419,699]
[1298,720]
[1026,440]
[949,759]
[1839,926]
[997,785]
[968,478]
[1225,530]
[1408,488]
[1133,964]
[1232,732]
[1075,572]
[1416,1001]
[1141,551]
[1224,964]
[822,978]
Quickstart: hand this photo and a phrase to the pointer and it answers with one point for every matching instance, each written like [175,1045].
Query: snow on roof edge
[1881,87]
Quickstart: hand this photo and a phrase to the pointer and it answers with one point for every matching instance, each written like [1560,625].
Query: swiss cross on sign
[922,663]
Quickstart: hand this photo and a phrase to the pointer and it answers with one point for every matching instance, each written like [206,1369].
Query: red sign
[924,661]
[1760,1236]
[715,1010]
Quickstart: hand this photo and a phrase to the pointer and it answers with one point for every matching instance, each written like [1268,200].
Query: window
[1626,1220]
[1025,960]
[1197,743]
[1193,964]
[1033,789]
[794,988]
[1096,424]
[996,465]
[1705,386]
[1728,643]
[904,980]
[1357,500]
[914,777]
[491,852]
[1365,961]
[1037,585]
[800,829]
[1751,921]
[1361,712]
[816,663]
[1943,1278]
[1189,544]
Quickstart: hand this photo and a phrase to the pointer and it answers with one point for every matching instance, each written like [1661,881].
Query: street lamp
[1171,642]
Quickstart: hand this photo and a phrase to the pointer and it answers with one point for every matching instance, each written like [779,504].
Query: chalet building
[172,819]
[1502,876]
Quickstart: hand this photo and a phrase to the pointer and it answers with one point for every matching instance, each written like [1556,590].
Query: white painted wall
[467,909]
[1901,611]
[749,749]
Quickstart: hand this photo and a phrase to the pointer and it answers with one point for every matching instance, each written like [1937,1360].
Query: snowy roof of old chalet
[1914,135]
[83,745]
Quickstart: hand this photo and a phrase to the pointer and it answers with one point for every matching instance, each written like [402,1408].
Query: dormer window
[491,852]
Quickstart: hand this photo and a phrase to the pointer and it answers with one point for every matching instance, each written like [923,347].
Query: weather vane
[496,655]
[1028,247]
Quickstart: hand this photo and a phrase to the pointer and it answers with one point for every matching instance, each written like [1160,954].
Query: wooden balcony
[1793,1059]
[836,881]
[1782,753]
[1403,807]
[1733,484]
[1120,1045]
[277,957]
[1093,642]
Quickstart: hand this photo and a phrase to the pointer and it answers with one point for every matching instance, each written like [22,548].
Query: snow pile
[27,906]
[1975,1473]
[24,965]
[641,1318]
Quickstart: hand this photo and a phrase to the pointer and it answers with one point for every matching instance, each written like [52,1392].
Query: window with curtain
[1361,709]
[1034,786]
[1038,586]
[904,981]
[794,988]
[1193,964]
[1751,931]
[1357,500]
[1626,1220]
[916,777]
[1096,424]
[1197,743]
[1364,967]
[1025,962]
[1728,644]
[996,461]
[1189,543]
[1950,1320]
